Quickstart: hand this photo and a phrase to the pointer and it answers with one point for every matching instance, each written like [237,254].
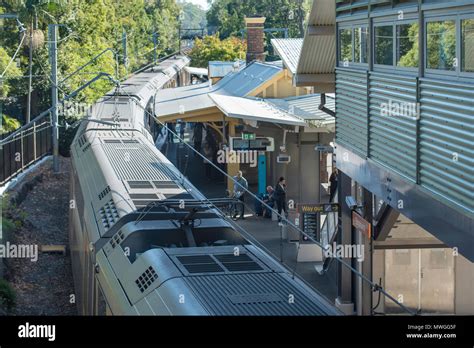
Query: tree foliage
[8,124]
[89,27]
[194,17]
[212,48]
[227,16]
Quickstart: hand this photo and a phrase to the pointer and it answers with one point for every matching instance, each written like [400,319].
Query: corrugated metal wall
[351,110]
[445,146]
[447,140]
[392,122]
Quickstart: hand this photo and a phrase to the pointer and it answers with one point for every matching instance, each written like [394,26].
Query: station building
[404,147]
[260,99]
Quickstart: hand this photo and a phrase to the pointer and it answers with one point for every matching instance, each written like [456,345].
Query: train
[145,241]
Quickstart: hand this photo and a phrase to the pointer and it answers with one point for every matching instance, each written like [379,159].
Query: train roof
[154,254]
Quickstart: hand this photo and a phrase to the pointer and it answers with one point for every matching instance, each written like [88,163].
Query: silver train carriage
[144,240]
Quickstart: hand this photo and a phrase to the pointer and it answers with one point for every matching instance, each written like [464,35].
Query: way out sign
[361,225]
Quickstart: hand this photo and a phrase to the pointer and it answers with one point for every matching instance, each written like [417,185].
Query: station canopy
[306,107]
[194,100]
[253,109]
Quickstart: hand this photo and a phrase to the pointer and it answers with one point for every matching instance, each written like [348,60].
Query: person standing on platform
[197,137]
[171,131]
[182,127]
[268,200]
[280,198]
[333,185]
[240,186]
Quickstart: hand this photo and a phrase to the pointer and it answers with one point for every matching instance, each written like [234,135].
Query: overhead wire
[14,56]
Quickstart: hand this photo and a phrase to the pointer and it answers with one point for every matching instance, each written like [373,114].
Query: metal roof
[256,294]
[318,54]
[221,69]
[196,71]
[254,110]
[144,83]
[190,98]
[307,108]
[289,51]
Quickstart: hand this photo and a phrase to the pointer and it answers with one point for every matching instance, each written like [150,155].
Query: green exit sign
[248,136]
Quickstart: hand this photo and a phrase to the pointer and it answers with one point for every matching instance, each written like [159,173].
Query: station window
[345,45]
[361,44]
[441,45]
[383,45]
[467,37]
[407,45]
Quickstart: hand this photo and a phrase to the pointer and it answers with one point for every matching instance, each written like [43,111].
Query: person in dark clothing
[182,127]
[279,197]
[333,185]
[268,199]
[171,130]
[211,142]
[197,137]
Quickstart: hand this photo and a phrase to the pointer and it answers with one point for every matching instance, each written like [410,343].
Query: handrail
[25,126]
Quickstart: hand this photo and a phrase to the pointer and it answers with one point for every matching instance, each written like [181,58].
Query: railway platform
[264,231]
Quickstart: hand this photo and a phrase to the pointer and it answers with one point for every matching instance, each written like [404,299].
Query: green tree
[92,26]
[194,17]
[10,73]
[8,124]
[227,16]
[212,48]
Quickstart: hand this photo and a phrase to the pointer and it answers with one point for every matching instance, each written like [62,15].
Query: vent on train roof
[146,196]
[233,258]
[218,263]
[200,264]
[143,199]
[140,184]
[184,195]
[142,203]
[108,214]
[112,141]
[165,184]
[117,239]
[239,263]
[146,279]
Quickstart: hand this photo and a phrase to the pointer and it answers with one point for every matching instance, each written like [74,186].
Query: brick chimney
[255,38]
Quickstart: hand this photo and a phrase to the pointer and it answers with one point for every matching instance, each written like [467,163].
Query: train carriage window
[345,45]
[467,41]
[383,45]
[361,45]
[441,45]
[407,45]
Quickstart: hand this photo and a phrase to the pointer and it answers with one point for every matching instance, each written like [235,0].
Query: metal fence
[24,147]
